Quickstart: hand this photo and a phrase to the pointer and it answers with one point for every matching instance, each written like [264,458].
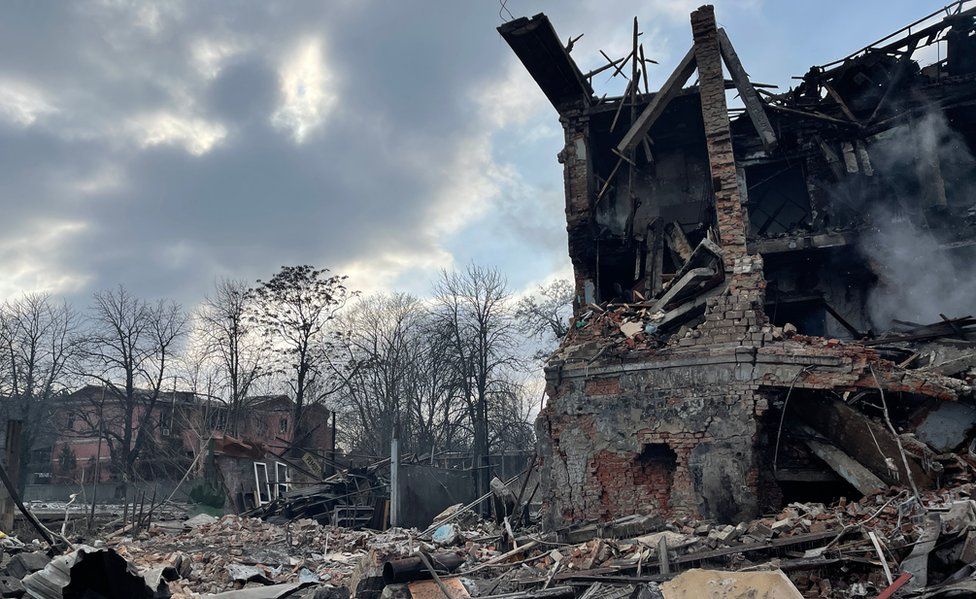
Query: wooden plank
[754,106]
[706,254]
[895,81]
[677,241]
[658,103]
[654,260]
[840,102]
[695,275]
[857,435]
[893,587]
[747,548]
[812,115]
[662,556]
[843,322]
[682,312]
[844,465]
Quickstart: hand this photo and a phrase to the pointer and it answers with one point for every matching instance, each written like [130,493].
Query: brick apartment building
[71,450]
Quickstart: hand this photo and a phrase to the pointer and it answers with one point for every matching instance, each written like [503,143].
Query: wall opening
[826,490]
[654,470]
[808,315]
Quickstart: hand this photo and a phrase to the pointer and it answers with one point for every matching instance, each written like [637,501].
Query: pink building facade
[179,426]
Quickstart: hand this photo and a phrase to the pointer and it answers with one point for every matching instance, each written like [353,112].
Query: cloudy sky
[161,145]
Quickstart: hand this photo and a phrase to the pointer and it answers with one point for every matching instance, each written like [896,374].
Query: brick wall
[704,397]
[578,183]
[595,429]
[676,441]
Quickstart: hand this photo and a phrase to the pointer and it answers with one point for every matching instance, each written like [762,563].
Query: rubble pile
[848,549]
[344,499]
[648,323]
[222,554]
[923,545]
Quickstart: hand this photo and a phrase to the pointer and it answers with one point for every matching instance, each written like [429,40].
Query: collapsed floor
[735,270]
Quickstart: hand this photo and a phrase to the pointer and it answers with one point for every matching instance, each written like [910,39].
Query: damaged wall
[717,265]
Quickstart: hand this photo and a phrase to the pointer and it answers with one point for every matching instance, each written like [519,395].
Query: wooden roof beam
[754,106]
[670,89]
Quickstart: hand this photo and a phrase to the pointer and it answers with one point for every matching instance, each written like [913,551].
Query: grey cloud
[367,182]
[361,183]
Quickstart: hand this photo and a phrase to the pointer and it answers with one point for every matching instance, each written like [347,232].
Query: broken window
[807,315]
[778,199]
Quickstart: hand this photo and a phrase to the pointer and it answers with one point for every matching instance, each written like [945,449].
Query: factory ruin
[755,285]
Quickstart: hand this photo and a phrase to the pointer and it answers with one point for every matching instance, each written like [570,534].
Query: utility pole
[394,481]
[332,466]
[485,472]
[97,470]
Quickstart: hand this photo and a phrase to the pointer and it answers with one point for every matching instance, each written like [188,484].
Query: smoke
[919,279]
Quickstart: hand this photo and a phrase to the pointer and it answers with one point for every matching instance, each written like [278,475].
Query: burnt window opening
[778,199]
[654,467]
[616,271]
[808,315]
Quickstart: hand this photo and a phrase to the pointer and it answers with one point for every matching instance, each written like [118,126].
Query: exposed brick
[603,386]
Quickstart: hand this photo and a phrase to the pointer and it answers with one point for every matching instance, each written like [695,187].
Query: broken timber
[754,106]
[658,103]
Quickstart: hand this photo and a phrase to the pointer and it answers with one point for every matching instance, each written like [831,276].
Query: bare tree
[473,304]
[39,337]
[381,330]
[296,310]
[228,329]
[130,348]
[545,314]
[439,413]
[404,383]
[202,376]
[509,417]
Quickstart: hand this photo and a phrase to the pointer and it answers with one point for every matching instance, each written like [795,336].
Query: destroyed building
[750,282]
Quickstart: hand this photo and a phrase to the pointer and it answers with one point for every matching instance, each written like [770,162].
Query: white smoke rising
[919,278]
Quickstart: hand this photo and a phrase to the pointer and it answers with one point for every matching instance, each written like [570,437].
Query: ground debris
[846,549]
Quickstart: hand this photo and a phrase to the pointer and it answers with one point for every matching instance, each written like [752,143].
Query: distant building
[182,424]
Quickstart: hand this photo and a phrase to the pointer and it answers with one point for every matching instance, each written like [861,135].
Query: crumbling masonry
[723,324]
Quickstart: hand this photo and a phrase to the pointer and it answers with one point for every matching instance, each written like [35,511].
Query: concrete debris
[843,549]
[712,584]
[428,589]
[199,520]
[448,513]
[22,564]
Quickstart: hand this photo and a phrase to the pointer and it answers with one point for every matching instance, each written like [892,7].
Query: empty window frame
[282,479]
[262,487]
